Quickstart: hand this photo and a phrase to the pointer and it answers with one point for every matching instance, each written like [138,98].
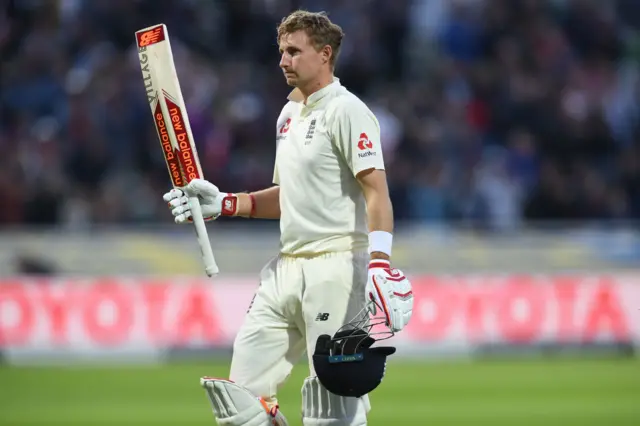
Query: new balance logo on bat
[151,36]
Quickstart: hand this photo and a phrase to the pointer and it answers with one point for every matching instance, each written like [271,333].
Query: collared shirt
[321,147]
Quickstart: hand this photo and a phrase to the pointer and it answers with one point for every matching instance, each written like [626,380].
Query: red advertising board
[121,314]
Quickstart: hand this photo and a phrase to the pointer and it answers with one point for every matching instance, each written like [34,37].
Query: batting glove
[390,292]
[213,202]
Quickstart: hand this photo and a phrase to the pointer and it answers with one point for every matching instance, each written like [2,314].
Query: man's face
[300,61]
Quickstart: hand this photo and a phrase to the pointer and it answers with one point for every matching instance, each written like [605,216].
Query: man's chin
[291,81]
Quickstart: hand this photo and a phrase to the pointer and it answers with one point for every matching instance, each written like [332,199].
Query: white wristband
[380,241]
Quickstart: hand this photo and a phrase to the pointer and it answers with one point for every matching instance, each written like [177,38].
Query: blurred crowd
[494,113]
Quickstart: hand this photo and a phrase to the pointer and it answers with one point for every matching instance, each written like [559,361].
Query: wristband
[253,205]
[380,241]
[379,263]
[229,205]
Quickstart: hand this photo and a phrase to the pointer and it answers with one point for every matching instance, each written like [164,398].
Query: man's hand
[390,291]
[213,202]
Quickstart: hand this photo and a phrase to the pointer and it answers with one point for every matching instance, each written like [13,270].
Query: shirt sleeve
[276,176]
[356,134]
[282,126]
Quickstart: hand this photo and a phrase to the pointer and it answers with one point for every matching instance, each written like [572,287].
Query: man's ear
[326,52]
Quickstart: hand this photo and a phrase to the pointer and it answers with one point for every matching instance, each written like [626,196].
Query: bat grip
[210,266]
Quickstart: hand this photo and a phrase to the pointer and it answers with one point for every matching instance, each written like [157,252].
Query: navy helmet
[346,363]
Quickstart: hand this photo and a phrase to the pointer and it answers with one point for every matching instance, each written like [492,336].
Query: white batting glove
[213,202]
[390,291]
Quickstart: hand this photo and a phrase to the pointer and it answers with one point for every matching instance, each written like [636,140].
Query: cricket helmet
[347,364]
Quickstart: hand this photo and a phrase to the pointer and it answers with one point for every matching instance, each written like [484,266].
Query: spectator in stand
[493,112]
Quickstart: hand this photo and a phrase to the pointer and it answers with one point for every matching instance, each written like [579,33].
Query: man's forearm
[265,205]
[380,217]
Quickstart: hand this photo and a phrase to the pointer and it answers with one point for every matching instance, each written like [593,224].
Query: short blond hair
[319,28]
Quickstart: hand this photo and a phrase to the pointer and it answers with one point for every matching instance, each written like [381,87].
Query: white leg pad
[233,405]
[323,408]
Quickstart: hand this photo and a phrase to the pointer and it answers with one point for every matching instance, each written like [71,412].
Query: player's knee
[246,373]
[259,386]
[323,408]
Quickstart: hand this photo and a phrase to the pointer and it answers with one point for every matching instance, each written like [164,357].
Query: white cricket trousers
[298,300]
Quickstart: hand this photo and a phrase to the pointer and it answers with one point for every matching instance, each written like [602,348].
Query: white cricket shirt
[321,147]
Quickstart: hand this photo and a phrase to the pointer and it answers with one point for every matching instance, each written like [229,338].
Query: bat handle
[210,266]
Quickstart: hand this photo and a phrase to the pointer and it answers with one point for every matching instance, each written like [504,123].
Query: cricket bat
[172,124]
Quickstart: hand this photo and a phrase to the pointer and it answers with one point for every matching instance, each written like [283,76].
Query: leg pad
[323,408]
[233,405]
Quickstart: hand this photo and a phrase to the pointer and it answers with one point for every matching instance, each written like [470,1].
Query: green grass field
[522,393]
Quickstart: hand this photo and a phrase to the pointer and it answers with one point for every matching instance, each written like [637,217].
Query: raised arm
[264,204]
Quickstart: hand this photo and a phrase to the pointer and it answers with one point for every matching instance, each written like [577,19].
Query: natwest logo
[285,126]
[364,142]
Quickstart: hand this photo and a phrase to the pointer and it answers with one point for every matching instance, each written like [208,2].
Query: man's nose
[284,61]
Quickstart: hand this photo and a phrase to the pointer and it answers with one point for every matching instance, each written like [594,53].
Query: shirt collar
[297,96]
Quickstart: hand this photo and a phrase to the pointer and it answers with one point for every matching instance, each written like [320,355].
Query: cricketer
[336,220]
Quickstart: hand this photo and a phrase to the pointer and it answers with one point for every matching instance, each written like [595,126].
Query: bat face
[167,105]
[145,66]
[172,124]
[188,157]
[170,154]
